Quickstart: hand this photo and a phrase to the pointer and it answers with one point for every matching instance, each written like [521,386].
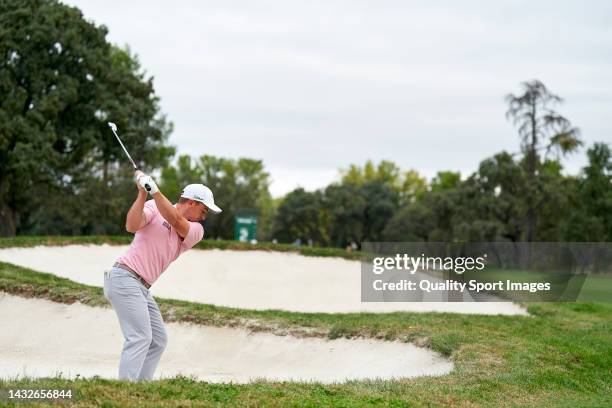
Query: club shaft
[147,187]
[125,150]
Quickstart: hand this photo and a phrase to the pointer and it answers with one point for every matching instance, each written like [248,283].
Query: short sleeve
[195,235]
[149,211]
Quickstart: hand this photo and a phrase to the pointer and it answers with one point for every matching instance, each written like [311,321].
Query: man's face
[197,211]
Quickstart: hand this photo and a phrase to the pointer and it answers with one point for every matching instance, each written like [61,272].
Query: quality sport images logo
[477,272]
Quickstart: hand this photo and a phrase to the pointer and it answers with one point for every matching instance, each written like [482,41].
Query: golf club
[114,129]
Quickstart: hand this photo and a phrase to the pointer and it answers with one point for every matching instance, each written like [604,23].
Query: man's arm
[135,219]
[164,206]
[170,214]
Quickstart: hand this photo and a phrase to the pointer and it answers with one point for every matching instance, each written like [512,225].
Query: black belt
[136,275]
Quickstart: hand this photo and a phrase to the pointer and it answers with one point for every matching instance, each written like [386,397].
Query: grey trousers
[141,323]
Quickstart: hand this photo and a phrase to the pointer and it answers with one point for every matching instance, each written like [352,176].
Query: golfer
[163,232]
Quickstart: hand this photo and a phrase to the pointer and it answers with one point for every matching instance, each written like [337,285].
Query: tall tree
[60,82]
[540,127]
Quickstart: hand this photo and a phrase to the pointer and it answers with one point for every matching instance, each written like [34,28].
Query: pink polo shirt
[157,244]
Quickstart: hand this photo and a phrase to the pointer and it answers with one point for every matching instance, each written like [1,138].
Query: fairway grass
[596,287]
[561,355]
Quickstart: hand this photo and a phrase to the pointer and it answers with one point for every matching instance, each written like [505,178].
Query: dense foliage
[61,170]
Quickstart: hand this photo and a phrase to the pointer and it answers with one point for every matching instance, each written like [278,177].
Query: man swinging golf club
[163,231]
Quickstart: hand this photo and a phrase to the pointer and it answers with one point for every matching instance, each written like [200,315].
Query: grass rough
[560,356]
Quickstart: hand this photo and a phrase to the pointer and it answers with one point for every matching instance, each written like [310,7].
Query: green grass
[560,356]
[595,287]
[30,241]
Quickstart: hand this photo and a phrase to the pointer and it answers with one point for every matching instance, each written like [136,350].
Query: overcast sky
[310,87]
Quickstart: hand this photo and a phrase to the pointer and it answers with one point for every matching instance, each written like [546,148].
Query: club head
[112,126]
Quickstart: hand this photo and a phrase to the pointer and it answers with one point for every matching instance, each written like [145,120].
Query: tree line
[63,173]
[510,197]
[492,204]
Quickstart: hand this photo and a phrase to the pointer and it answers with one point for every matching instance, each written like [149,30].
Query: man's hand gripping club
[165,207]
[143,181]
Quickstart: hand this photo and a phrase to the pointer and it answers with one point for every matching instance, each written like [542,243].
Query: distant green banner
[245,228]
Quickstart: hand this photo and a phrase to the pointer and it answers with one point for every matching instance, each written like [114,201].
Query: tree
[539,127]
[414,187]
[241,184]
[175,177]
[412,223]
[591,219]
[386,172]
[492,206]
[433,218]
[60,82]
[237,185]
[445,180]
[358,213]
[381,202]
[345,206]
[410,185]
[300,216]
[552,197]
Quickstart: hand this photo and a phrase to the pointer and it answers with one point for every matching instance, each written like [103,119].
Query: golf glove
[145,180]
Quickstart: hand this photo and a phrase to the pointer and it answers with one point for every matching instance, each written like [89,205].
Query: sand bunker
[44,338]
[243,279]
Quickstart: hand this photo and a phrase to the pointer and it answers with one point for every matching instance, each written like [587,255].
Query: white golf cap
[201,193]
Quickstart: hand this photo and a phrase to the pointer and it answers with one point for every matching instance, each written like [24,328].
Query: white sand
[243,279]
[44,338]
